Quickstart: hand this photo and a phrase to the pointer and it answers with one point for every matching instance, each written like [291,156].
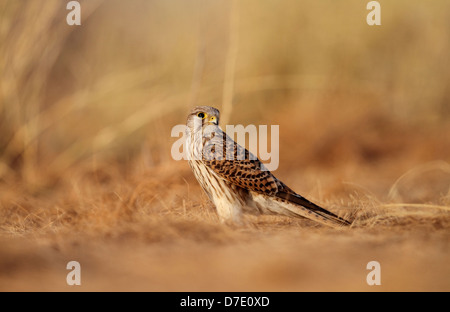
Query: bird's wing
[237,165]
[242,168]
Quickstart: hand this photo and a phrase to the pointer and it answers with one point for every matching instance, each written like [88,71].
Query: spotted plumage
[236,181]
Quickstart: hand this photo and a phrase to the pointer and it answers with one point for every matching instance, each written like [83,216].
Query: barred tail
[300,206]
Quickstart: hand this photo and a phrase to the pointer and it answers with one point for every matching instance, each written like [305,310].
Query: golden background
[86,113]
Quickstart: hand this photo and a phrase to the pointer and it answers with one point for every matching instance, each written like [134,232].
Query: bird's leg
[229,213]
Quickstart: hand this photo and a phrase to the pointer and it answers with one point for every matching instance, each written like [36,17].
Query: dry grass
[85,166]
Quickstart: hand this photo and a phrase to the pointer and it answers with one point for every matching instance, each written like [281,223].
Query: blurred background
[120,81]
[86,113]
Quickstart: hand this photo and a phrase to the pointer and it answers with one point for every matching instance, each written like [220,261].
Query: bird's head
[201,116]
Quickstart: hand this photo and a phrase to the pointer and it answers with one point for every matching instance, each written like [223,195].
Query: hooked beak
[213,120]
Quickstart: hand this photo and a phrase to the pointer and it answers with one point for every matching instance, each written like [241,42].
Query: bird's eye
[201,115]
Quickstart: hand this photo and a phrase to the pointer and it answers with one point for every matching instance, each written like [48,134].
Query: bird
[236,181]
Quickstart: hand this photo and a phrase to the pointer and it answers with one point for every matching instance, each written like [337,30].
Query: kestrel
[236,181]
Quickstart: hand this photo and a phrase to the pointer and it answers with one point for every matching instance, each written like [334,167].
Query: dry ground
[138,227]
